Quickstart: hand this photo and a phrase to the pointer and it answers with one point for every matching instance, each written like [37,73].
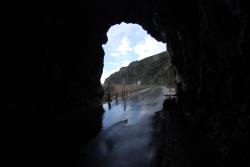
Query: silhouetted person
[109,104]
[180,97]
[109,97]
[125,104]
[116,96]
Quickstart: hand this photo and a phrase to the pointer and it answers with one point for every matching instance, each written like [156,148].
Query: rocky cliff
[153,70]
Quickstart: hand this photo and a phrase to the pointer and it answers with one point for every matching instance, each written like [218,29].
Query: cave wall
[208,40]
[53,59]
[51,70]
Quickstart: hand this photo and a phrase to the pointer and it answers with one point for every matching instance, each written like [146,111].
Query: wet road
[126,137]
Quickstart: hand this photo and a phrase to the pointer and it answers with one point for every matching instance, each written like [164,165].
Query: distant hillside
[153,70]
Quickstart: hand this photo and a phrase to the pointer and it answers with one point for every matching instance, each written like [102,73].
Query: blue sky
[127,43]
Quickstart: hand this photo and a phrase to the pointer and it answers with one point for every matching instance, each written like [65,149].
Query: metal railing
[119,94]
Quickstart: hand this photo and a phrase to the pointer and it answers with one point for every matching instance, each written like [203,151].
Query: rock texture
[208,41]
[153,70]
[52,62]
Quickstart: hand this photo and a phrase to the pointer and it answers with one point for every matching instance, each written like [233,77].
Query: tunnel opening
[137,74]
[127,42]
[53,100]
[133,61]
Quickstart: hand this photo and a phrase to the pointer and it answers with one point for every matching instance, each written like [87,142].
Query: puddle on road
[134,108]
[114,112]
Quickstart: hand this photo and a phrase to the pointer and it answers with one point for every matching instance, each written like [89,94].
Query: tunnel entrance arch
[134,60]
[61,89]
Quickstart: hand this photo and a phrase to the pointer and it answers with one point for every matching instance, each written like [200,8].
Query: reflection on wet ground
[109,104]
[125,140]
[124,104]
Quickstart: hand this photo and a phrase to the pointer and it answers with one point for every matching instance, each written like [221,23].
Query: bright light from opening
[127,43]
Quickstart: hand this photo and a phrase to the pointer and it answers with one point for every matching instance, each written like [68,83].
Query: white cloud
[114,54]
[112,63]
[118,30]
[124,47]
[149,47]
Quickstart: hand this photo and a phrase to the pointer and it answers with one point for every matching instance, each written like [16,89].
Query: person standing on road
[180,97]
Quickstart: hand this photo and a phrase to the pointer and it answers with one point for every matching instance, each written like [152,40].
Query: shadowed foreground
[182,144]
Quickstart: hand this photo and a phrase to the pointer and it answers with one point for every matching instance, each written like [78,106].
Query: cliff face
[153,70]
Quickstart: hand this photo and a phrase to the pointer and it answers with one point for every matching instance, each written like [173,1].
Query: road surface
[126,137]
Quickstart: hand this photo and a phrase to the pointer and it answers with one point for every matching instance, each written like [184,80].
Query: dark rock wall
[209,41]
[52,61]
[51,74]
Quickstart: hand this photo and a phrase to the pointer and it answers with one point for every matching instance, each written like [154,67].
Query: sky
[127,43]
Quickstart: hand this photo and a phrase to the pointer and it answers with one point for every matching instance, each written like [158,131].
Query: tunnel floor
[134,134]
[126,137]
